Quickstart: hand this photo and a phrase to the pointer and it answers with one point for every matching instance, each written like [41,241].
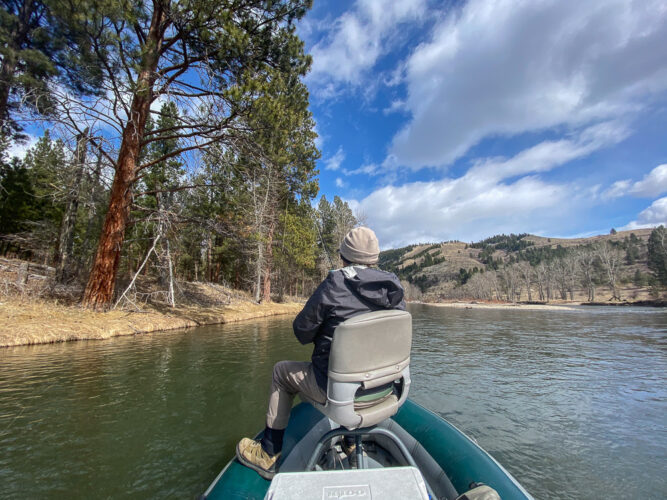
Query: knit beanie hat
[360,246]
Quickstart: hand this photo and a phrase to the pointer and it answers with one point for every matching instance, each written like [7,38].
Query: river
[573,403]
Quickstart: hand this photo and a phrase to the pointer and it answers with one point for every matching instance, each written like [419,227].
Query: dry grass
[539,241]
[37,321]
[37,312]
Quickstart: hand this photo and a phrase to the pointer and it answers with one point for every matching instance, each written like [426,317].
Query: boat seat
[369,368]
[365,398]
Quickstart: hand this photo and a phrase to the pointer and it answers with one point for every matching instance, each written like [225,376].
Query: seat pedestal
[358,434]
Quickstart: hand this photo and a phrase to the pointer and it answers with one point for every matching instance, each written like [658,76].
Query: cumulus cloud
[653,184]
[503,67]
[340,183]
[458,208]
[654,215]
[334,162]
[496,195]
[356,40]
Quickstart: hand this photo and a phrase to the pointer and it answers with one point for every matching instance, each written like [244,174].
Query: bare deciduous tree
[511,282]
[481,286]
[611,259]
[525,271]
[586,258]
[571,267]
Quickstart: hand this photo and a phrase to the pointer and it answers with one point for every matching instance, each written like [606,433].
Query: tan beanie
[360,246]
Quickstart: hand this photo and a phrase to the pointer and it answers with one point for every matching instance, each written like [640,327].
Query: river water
[573,403]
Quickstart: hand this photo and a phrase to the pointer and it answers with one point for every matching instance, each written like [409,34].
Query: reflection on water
[571,402]
[154,415]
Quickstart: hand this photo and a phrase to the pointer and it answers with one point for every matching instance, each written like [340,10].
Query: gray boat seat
[369,368]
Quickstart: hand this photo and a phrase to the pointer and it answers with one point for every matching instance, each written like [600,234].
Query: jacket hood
[375,286]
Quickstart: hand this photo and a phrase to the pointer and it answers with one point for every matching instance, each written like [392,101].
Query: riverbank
[560,305]
[36,310]
[31,321]
[501,305]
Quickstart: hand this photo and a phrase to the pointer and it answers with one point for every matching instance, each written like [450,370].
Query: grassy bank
[32,321]
[34,310]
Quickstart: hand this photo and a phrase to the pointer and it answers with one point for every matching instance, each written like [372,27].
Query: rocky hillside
[525,267]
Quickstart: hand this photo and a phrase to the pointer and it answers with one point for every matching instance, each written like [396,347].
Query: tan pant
[289,379]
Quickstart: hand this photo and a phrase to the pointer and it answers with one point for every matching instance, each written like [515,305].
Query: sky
[459,120]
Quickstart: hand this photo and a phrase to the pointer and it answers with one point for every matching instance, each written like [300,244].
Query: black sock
[272,440]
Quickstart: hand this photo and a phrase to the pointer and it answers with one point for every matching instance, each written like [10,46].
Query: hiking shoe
[251,454]
[351,451]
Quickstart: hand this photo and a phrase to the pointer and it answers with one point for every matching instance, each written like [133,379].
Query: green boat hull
[462,459]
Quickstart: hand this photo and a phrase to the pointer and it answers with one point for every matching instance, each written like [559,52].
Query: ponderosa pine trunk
[101,282]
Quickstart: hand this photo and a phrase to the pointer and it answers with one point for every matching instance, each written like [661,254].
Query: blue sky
[461,120]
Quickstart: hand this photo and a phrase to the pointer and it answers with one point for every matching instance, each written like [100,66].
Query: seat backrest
[369,351]
[371,348]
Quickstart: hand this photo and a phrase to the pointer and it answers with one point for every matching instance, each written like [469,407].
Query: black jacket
[344,293]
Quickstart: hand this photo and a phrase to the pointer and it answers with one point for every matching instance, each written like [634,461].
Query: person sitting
[354,289]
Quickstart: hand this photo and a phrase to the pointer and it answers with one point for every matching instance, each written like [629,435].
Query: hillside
[525,267]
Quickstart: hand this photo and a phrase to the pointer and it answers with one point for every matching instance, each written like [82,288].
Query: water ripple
[571,402]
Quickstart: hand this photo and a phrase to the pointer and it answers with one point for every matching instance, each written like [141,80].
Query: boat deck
[461,459]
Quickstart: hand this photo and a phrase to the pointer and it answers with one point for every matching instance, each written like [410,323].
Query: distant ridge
[525,267]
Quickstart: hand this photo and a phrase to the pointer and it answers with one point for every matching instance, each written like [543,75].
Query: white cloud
[340,183]
[395,106]
[334,162]
[20,149]
[356,40]
[653,184]
[654,215]
[460,209]
[156,105]
[367,169]
[507,67]
[617,189]
[549,154]
[496,195]
[320,139]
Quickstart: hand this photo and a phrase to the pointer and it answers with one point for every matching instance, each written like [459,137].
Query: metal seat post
[359,451]
[358,433]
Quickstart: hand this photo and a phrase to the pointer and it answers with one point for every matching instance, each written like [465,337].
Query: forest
[175,144]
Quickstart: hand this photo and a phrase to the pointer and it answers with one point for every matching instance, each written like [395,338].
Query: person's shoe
[251,454]
[351,451]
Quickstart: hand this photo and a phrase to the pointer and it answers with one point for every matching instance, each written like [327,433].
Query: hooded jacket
[344,293]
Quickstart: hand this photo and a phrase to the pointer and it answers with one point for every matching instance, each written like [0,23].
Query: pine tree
[657,254]
[31,202]
[213,58]
[40,42]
